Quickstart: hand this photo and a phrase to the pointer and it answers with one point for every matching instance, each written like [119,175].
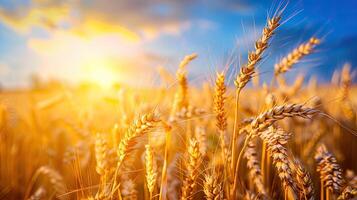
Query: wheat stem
[166,156]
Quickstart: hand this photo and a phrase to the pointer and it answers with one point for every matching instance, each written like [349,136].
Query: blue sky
[76,40]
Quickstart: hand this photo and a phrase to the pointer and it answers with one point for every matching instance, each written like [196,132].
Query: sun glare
[101,71]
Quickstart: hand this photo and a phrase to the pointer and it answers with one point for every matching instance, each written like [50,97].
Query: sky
[130,40]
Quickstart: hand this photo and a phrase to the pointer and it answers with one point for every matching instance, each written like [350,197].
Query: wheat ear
[221,115]
[128,191]
[219,101]
[102,155]
[351,178]
[304,181]
[138,128]
[253,165]
[221,124]
[189,183]
[201,136]
[186,60]
[181,96]
[104,160]
[151,171]
[268,118]
[54,177]
[276,140]
[297,54]
[247,71]
[346,81]
[212,187]
[330,171]
[39,194]
[349,192]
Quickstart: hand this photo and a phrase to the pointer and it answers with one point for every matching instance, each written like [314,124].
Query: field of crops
[277,140]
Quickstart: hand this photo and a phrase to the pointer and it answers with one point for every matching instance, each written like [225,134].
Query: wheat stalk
[313,142]
[164,178]
[245,75]
[172,179]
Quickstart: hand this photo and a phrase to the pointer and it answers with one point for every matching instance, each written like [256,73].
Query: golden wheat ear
[247,71]
[268,118]
[201,137]
[139,128]
[181,96]
[221,116]
[128,190]
[102,156]
[330,171]
[295,56]
[151,170]
[193,165]
[304,181]
[57,184]
[349,192]
[253,166]
[212,187]
[346,81]
[276,140]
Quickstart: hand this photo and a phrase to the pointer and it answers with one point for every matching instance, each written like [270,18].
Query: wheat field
[214,140]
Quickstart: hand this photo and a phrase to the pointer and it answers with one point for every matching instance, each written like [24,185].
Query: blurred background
[110,41]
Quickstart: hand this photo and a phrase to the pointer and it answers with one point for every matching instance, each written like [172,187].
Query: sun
[101,71]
